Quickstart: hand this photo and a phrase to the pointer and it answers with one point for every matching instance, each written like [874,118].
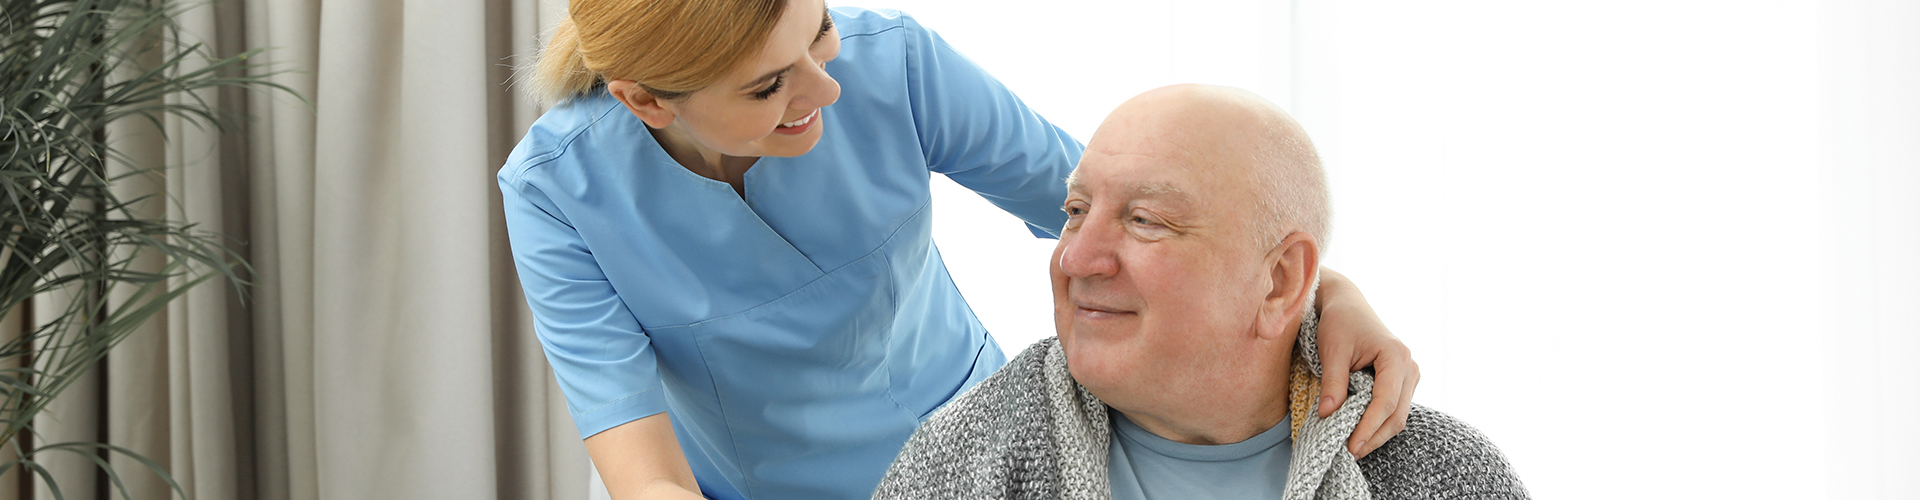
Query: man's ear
[644,105]
[1294,265]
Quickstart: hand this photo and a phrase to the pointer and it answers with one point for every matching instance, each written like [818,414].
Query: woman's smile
[799,126]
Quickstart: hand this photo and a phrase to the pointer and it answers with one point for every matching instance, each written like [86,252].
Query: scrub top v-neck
[797,334]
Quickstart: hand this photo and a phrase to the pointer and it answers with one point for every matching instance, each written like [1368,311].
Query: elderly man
[1182,285]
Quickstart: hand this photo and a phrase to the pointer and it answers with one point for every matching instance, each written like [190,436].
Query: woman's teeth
[802,121]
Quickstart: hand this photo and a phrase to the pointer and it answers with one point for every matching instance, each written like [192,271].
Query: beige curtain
[383,349]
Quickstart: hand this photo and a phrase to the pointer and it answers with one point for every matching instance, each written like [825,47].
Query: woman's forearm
[1352,337]
[642,460]
[1334,284]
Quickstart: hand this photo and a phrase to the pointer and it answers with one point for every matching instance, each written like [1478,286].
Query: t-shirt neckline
[1134,434]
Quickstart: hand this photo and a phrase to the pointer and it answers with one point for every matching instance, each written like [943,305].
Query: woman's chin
[790,146]
[799,151]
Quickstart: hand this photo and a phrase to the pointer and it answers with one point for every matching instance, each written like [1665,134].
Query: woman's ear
[1294,264]
[644,105]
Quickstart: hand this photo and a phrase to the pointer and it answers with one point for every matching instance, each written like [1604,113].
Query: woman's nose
[818,89]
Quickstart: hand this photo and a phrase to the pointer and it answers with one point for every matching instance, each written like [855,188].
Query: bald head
[1231,135]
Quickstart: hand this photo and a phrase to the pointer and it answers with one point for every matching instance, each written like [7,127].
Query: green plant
[67,69]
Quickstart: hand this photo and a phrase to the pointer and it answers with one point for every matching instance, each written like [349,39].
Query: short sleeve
[980,135]
[599,352]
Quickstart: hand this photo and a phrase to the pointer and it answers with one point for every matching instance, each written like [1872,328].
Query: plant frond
[68,69]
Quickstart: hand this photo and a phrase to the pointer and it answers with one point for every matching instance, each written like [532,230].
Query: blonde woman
[723,231]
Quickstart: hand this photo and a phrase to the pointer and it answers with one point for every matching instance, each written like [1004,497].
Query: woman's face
[770,104]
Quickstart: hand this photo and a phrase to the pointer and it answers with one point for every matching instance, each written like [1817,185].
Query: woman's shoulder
[861,21]
[563,135]
[893,34]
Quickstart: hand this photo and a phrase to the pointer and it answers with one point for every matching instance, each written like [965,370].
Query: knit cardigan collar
[990,444]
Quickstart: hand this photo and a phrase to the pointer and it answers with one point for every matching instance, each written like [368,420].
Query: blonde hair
[670,47]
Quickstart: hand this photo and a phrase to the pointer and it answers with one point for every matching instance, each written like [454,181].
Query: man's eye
[1143,221]
[1073,211]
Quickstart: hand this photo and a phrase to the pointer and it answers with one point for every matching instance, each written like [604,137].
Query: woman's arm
[1351,337]
[642,459]
[603,359]
[976,132]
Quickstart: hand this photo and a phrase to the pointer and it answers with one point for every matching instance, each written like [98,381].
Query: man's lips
[1097,311]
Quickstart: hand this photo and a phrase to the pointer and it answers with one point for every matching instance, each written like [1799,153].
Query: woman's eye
[826,25]
[778,81]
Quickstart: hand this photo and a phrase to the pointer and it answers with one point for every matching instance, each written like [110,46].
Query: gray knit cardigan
[1030,432]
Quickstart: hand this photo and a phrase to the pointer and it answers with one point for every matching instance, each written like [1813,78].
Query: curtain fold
[140,417]
[382,348]
[282,246]
[403,288]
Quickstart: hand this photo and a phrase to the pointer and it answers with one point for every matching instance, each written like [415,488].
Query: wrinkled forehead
[1156,167]
[1134,175]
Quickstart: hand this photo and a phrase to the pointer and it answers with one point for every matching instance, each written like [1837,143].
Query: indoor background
[1661,249]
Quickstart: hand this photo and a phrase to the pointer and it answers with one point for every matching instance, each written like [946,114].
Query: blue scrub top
[799,335]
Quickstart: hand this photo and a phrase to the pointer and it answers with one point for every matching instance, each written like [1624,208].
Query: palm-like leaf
[61,228]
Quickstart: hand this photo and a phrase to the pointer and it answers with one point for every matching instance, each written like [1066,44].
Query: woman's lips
[799,126]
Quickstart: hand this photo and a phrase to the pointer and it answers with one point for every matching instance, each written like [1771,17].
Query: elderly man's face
[1157,279]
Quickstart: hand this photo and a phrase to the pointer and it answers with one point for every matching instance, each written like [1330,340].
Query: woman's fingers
[1386,415]
[1393,427]
[1336,361]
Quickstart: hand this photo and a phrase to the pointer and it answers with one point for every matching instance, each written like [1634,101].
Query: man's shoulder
[991,441]
[1017,391]
[1439,456]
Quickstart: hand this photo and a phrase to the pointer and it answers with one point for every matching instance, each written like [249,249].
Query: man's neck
[1241,415]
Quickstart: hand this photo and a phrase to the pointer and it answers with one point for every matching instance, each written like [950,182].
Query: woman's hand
[1351,337]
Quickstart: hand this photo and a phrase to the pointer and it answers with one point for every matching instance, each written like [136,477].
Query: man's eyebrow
[1157,189]
[1139,189]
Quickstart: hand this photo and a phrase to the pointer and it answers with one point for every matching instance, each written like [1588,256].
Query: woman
[734,283]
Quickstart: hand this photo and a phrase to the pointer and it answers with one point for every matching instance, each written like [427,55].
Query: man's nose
[1090,251]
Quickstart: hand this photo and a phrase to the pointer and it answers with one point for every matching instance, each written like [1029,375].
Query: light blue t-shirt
[798,335]
[1143,466]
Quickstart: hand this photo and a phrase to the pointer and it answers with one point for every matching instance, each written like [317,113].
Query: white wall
[1659,249]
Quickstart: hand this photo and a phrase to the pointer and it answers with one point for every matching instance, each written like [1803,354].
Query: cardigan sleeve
[1440,457]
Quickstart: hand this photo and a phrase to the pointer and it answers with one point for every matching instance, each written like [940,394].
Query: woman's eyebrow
[765,78]
[826,22]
